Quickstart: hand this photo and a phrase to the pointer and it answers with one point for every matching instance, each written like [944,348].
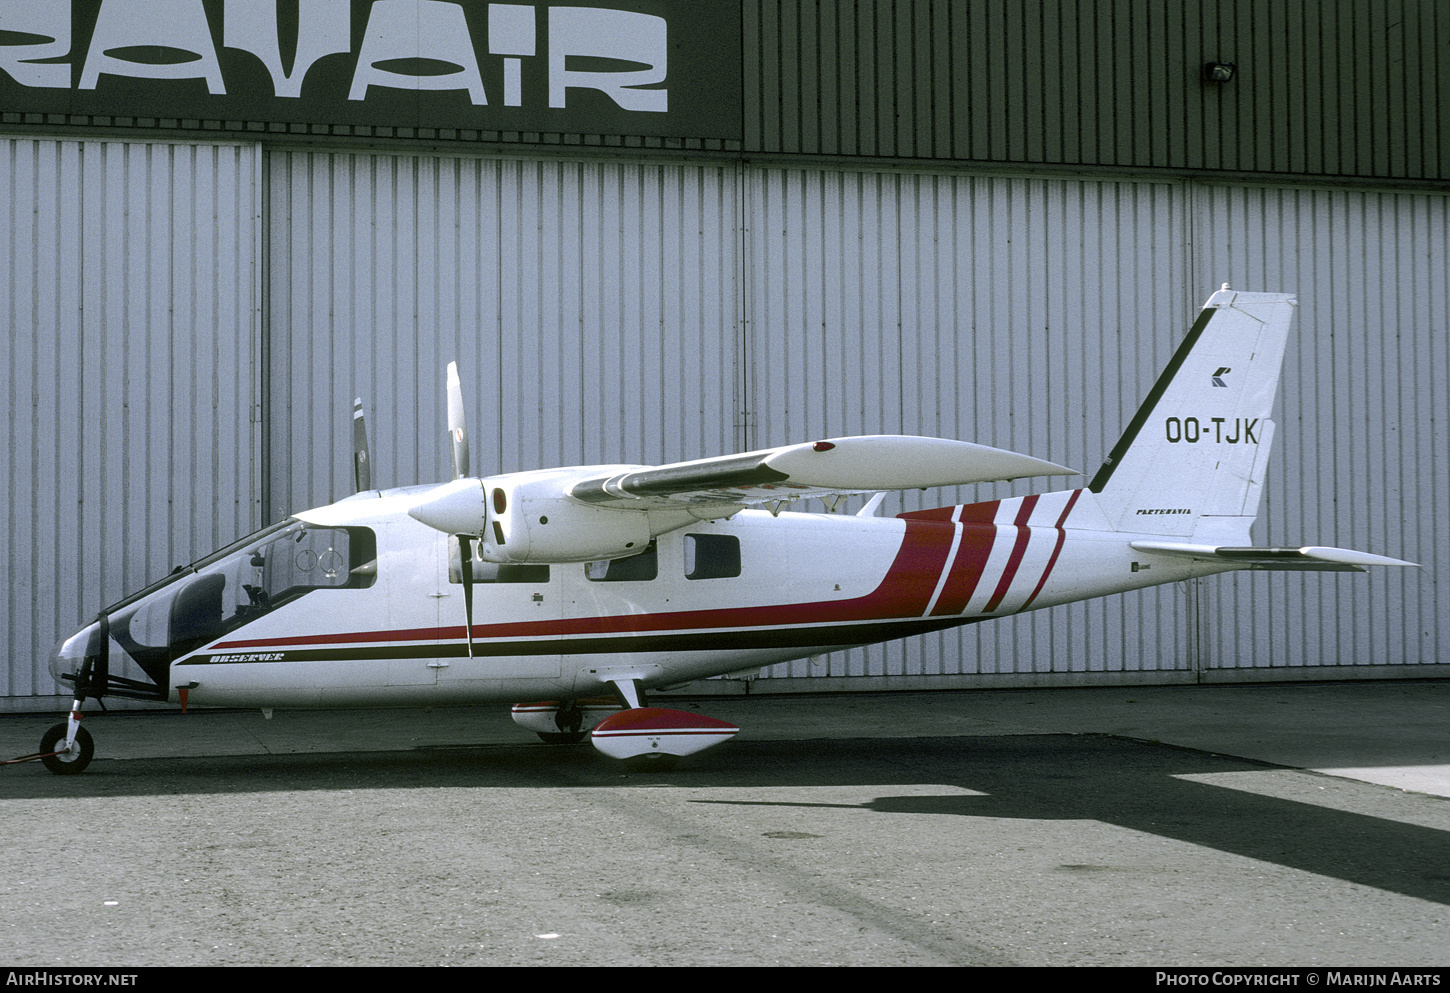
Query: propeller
[361,459]
[458,439]
[465,561]
[457,423]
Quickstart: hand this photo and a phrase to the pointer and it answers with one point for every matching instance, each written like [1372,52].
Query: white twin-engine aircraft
[568,585]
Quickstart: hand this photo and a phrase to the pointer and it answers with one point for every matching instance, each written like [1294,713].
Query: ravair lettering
[407,45]
[1219,430]
[511,34]
[427,33]
[322,29]
[609,34]
[174,37]
[38,32]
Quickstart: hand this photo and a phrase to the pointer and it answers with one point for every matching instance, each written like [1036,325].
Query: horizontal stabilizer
[837,465]
[1308,558]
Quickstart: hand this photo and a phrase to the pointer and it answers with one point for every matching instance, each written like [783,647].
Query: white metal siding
[1025,314]
[645,311]
[1035,314]
[129,374]
[603,309]
[1362,455]
[590,307]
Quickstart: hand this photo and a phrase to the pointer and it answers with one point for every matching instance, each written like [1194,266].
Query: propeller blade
[457,423]
[465,557]
[361,460]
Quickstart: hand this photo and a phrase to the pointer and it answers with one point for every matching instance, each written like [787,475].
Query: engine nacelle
[531,521]
[525,517]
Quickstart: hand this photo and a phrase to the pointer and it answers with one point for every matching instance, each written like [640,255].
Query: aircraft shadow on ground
[1132,784]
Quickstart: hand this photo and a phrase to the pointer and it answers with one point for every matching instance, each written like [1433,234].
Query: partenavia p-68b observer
[565,586]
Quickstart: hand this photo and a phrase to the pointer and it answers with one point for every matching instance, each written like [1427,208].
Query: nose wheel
[63,760]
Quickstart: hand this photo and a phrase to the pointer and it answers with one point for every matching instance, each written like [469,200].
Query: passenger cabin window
[712,556]
[492,572]
[636,568]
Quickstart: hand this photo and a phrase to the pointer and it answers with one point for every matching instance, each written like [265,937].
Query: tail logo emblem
[1218,376]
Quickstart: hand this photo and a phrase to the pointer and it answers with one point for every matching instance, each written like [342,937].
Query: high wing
[593,512]
[831,468]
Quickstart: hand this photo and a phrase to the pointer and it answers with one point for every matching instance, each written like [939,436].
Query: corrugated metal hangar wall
[192,316]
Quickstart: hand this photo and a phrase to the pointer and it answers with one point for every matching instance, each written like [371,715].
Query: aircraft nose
[70,653]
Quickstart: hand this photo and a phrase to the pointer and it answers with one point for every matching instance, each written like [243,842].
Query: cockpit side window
[310,558]
[274,567]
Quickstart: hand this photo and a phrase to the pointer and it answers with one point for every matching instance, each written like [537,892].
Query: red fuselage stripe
[1056,549]
[967,569]
[1019,548]
[905,591]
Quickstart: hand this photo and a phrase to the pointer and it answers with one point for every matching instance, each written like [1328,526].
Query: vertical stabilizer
[1192,461]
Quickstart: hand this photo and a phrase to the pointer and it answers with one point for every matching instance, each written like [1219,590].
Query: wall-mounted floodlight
[1219,72]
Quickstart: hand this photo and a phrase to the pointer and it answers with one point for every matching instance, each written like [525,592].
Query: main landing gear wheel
[563,722]
[72,761]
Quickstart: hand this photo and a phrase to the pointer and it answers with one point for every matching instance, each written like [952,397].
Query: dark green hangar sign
[664,68]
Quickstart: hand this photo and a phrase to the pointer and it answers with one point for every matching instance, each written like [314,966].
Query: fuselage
[357,603]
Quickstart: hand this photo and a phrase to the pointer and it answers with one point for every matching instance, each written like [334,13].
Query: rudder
[1193,458]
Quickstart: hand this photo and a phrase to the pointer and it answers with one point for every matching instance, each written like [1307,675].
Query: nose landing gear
[66,749]
[66,758]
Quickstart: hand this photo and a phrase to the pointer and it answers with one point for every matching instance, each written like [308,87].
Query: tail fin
[1192,460]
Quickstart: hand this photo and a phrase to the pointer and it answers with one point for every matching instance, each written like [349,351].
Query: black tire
[562,737]
[67,765]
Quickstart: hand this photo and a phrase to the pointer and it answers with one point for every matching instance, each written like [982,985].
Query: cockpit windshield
[239,584]
[199,603]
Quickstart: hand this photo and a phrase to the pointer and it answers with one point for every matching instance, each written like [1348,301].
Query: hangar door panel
[590,307]
[1031,315]
[1358,457]
[131,401]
